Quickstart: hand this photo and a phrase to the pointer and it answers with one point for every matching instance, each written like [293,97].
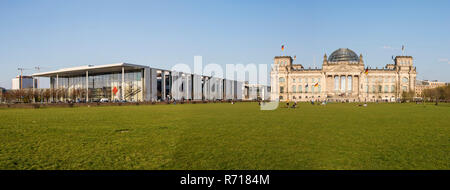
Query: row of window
[386,89]
[385,79]
[300,80]
[308,89]
[339,83]
[371,79]
[404,62]
[282,62]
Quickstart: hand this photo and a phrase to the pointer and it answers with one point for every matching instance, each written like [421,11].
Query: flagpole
[403,50]
[285,45]
[314,60]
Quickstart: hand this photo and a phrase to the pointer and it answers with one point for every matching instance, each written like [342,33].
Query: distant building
[256,92]
[343,77]
[421,85]
[23,82]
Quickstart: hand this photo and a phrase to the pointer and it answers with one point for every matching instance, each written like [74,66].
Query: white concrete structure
[22,82]
[129,82]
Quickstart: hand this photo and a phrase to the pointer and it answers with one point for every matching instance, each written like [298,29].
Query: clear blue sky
[57,34]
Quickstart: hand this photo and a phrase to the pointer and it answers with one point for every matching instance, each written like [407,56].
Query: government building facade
[343,77]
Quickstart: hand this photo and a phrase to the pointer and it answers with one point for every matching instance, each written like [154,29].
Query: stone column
[287,87]
[340,83]
[336,86]
[323,88]
[346,84]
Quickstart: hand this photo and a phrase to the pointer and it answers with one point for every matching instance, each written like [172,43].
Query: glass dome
[343,54]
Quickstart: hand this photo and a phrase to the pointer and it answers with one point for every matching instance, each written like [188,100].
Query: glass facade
[100,86]
[349,83]
[343,83]
[336,83]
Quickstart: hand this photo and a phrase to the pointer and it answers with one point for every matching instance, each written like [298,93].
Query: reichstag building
[343,77]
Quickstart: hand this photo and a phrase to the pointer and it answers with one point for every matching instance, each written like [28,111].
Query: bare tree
[47,94]
[73,94]
[447,93]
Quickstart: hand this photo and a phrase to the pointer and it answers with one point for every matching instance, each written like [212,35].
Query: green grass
[225,136]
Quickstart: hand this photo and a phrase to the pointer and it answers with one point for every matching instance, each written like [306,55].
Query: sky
[56,34]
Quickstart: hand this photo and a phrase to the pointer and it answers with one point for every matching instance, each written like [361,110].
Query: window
[366,89]
[293,88]
[306,89]
[373,88]
[299,88]
[281,89]
[281,97]
[349,83]
[380,88]
[392,88]
[404,88]
[312,89]
[293,80]
[336,83]
[404,80]
[320,89]
[343,83]
[282,79]
[386,89]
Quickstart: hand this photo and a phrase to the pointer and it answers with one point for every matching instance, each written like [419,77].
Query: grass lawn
[225,136]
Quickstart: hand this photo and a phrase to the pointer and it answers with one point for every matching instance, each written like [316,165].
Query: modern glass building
[113,82]
[136,83]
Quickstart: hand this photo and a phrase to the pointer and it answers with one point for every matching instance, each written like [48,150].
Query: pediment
[343,68]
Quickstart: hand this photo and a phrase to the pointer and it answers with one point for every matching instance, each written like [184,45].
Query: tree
[73,94]
[437,94]
[407,96]
[7,96]
[28,95]
[47,94]
[447,93]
